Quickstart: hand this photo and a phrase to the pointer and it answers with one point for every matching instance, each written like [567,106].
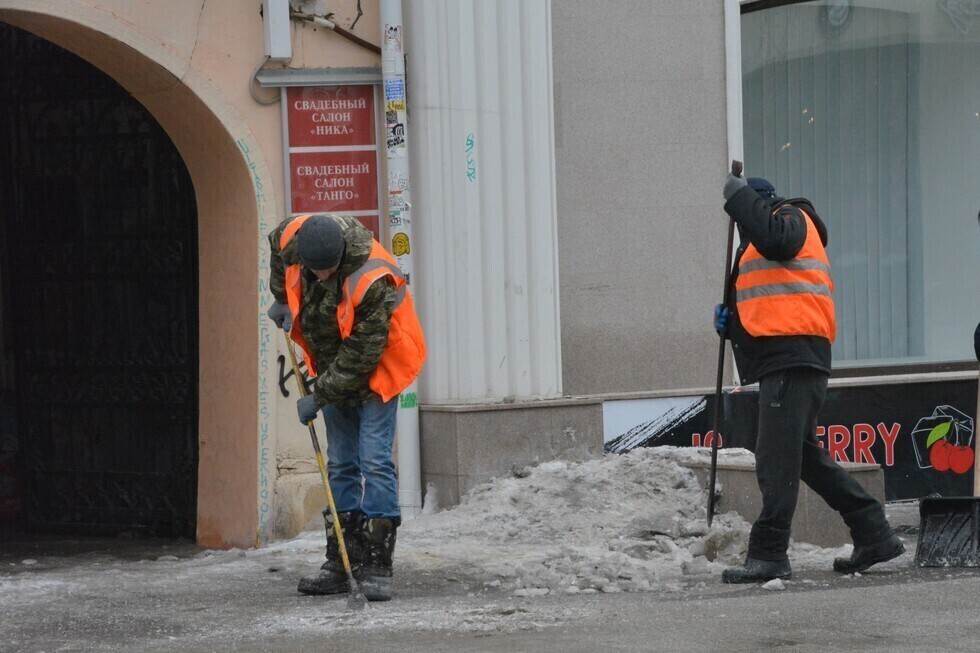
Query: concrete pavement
[175,597]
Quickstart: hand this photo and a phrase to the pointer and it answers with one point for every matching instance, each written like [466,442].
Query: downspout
[399,214]
[733,77]
[733,97]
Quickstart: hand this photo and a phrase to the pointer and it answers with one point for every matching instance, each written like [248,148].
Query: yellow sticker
[395,105]
[400,245]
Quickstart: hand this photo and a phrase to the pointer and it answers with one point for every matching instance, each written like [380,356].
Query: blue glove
[732,185]
[307,409]
[721,319]
[281,315]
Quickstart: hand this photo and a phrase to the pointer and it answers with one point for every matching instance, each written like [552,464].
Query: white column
[482,116]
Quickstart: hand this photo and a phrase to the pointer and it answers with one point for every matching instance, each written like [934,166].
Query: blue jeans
[359,442]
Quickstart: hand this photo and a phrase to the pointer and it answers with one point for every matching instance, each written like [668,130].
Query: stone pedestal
[465,445]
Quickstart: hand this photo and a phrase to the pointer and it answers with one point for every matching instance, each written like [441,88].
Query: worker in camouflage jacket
[341,296]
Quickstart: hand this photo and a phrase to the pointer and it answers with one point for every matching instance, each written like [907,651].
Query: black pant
[786,452]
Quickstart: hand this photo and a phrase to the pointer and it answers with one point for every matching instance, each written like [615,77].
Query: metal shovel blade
[949,532]
[356,599]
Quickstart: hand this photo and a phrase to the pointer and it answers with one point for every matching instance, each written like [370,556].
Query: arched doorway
[236,206]
[98,232]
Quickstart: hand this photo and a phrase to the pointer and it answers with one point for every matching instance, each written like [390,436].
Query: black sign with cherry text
[922,434]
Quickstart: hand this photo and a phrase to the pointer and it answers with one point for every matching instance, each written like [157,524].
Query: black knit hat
[321,243]
[762,186]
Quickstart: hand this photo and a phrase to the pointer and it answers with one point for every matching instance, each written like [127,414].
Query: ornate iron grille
[101,235]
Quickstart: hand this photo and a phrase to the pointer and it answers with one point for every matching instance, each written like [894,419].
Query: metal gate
[101,239]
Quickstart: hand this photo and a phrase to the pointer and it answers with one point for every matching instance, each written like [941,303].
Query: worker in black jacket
[781,323]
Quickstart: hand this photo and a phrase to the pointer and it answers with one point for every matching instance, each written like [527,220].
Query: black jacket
[976,342]
[778,230]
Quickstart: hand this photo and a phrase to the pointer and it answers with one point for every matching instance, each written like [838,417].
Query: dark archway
[98,234]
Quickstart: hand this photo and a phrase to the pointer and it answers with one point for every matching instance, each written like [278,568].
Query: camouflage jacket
[344,365]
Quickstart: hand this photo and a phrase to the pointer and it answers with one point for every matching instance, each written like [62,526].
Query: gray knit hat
[321,243]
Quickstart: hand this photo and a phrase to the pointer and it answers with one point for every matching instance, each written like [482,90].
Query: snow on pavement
[621,523]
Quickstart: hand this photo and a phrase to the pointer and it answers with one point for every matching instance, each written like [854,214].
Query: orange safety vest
[405,352]
[787,298]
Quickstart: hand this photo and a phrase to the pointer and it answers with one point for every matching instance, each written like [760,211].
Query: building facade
[567,236]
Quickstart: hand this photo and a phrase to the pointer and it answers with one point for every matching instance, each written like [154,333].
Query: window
[871,109]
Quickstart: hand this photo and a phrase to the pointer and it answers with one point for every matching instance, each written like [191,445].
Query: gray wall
[641,152]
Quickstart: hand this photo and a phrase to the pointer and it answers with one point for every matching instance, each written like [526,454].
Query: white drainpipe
[399,211]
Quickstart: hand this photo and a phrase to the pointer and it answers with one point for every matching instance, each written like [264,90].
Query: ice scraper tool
[355,600]
[716,428]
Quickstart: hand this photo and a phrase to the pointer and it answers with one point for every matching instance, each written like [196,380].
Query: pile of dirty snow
[634,522]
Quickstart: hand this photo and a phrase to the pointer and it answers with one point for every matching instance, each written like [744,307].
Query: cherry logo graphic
[939,455]
[944,456]
[961,459]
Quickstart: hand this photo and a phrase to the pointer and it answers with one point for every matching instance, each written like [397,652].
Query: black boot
[874,540]
[375,575]
[757,571]
[332,578]
[766,558]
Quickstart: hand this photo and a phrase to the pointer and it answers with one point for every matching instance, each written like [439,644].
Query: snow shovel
[949,528]
[355,600]
[949,531]
[726,295]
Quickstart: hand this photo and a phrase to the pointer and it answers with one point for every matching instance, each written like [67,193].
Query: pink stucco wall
[190,65]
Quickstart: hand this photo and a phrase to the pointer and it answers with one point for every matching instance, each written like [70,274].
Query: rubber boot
[766,557]
[332,578]
[375,577]
[757,571]
[874,540]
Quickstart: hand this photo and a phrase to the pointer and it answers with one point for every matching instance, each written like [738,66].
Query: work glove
[281,315]
[307,409]
[732,185]
[721,319]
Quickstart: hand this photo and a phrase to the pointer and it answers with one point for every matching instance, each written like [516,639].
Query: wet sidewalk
[101,595]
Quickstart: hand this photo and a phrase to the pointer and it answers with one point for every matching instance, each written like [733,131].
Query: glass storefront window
[871,109]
